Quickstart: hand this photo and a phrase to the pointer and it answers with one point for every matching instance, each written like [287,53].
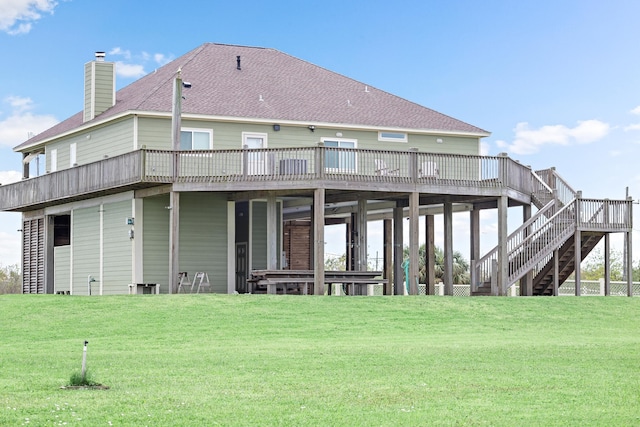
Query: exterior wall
[62,268]
[92,145]
[203,237]
[99,88]
[85,240]
[117,249]
[259,234]
[155,241]
[101,248]
[155,133]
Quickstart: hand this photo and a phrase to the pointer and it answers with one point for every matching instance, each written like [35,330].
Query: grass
[250,360]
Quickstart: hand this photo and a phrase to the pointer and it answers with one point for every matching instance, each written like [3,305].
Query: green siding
[258,235]
[104,89]
[85,240]
[155,243]
[203,237]
[155,133]
[94,144]
[88,73]
[117,248]
[62,268]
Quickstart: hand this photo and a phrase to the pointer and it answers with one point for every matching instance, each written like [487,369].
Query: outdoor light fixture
[439,140]
[312,128]
[276,127]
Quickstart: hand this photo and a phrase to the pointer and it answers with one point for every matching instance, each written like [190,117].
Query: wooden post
[388,256]
[448,248]
[272,233]
[430,255]
[25,166]
[526,282]
[398,249]
[474,244]
[414,228]
[361,236]
[503,271]
[577,243]
[174,239]
[318,239]
[607,265]
[628,239]
[556,272]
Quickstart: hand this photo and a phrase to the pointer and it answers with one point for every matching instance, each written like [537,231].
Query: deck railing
[448,172]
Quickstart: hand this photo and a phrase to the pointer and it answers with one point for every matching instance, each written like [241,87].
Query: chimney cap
[100,56]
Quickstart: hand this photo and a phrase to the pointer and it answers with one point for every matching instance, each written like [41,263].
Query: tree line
[10,279]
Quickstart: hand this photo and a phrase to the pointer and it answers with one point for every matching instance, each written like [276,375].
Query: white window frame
[339,169]
[400,136]
[73,154]
[53,158]
[199,130]
[258,162]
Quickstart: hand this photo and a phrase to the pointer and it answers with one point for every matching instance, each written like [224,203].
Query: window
[72,155]
[337,160]
[196,139]
[392,136]
[54,161]
[257,161]
[62,230]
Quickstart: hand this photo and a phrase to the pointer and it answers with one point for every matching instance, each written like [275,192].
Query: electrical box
[129,221]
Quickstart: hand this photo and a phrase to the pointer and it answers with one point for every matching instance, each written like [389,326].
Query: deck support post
[448,247]
[577,239]
[387,255]
[361,236]
[607,265]
[174,239]
[526,282]
[474,243]
[414,225]
[556,272]
[272,233]
[629,254]
[503,272]
[398,248]
[318,239]
[430,255]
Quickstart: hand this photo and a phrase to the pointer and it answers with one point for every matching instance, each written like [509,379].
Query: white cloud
[529,141]
[133,65]
[635,126]
[636,111]
[117,51]
[162,59]
[7,177]
[10,239]
[15,128]
[17,16]
[129,70]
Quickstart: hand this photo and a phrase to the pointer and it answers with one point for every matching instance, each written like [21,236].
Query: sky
[556,82]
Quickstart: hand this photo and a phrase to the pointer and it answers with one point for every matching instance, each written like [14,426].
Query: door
[256,162]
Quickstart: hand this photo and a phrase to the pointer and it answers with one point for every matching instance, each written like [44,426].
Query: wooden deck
[303,279]
[292,169]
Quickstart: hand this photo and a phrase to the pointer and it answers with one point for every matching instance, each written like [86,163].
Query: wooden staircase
[531,248]
[543,281]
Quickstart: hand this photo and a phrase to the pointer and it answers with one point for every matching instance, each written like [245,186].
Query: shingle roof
[271,85]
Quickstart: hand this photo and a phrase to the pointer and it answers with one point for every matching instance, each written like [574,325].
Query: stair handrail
[552,178]
[552,233]
[540,188]
[483,267]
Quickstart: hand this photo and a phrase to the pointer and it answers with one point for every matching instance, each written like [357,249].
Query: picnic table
[274,279]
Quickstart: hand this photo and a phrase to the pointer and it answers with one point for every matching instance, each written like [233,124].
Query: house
[232,159]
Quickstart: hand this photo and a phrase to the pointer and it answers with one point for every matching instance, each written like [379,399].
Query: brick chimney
[99,86]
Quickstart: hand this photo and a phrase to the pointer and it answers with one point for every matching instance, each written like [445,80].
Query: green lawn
[200,360]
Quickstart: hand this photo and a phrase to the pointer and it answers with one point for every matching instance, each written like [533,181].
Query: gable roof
[270,85]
